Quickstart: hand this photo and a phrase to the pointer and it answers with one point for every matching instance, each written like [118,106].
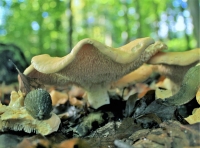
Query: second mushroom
[93,66]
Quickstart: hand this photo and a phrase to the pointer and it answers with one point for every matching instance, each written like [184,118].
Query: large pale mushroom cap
[93,65]
[87,48]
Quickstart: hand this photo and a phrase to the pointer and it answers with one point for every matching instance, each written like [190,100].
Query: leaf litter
[136,122]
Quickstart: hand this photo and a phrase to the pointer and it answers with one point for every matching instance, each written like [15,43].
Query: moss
[92,118]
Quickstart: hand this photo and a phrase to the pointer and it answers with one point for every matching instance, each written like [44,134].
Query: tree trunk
[70,31]
[139,32]
[187,37]
[126,20]
[195,11]
[157,18]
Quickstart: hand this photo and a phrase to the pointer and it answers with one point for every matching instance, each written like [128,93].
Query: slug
[38,103]
[188,89]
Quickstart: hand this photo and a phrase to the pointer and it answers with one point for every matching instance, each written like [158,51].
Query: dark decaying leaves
[169,134]
[142,103]
[161,110]
[116,107]
[148,111]
[143,122]
[126,128]
[8,140]
[181,135]
[145,113]
[130,105]
[148,120]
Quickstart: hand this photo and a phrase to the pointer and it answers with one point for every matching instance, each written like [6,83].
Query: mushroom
[57,97]
[16,117]
[188,88]
[139,75]
[174,65]
[61,98]
[176,58]
[93,66]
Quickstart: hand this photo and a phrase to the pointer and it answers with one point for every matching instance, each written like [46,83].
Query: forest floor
[137,122]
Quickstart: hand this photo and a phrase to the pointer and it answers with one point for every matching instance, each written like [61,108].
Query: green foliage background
[113,22]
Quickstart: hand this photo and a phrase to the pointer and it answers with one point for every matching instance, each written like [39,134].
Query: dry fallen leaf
[126,128]
[73,143]
[162,93]
[194,118]
[58,97]
[27,84]
[198,96]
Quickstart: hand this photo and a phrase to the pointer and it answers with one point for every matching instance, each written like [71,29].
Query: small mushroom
[176,58]
[174,65]
[188,89]
[93,66]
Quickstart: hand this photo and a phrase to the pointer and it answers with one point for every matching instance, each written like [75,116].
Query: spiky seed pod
[38,103]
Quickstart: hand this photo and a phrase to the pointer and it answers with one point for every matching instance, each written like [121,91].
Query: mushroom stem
[97,96]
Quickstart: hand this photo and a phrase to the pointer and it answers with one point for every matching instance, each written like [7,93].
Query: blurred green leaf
[40,27]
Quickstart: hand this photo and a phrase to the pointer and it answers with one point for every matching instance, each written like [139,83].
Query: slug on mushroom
[38,103]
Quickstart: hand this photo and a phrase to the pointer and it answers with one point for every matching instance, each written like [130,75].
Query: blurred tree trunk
[139,32]
[57,28]
[85,11]
[40,31]
[126,20]
[195,11]
[70,31]
[157,18]
[187,37]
